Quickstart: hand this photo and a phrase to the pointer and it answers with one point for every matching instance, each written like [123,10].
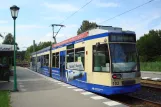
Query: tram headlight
[116,76]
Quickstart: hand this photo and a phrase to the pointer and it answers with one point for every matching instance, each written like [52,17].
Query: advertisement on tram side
[75,70]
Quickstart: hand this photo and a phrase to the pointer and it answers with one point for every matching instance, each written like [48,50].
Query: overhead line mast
[55,33]
[53,25]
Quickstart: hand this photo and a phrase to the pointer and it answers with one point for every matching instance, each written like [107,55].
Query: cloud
[54,18]
[9,29]
[3,21]
[25,41]
[97,20]
[21,38]
[72,26]
[49,37]
[106,4]
[141,25]
[158,26]
[61,7]
[5,4]
[32,26]
[1,40]
[6,29]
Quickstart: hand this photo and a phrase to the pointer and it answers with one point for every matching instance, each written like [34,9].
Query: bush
[150,66]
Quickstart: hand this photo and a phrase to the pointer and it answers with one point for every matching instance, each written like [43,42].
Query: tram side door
[62,65]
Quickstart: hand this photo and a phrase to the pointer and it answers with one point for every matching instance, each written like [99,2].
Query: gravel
[148,94]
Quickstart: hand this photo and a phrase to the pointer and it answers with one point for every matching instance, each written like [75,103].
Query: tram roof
[95,31]
[6,50]
[42,50]
[91,32]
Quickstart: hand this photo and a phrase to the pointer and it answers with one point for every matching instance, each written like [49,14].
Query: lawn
[150,66]
[4,99]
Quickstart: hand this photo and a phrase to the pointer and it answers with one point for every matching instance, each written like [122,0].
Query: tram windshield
[124,57]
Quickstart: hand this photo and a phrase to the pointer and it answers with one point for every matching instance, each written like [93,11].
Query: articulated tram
[102,60]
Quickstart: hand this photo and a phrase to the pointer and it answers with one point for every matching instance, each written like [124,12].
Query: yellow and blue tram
[102,60]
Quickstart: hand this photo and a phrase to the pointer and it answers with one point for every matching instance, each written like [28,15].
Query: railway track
[147,97]
[152,87]
[133,101]
[147,102]
[152,84]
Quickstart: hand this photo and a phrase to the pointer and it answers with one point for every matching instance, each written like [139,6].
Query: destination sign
[122,38]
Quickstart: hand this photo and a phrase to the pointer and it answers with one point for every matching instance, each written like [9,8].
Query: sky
[36,16]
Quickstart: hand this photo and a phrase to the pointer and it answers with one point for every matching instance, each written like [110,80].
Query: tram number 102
[115,83]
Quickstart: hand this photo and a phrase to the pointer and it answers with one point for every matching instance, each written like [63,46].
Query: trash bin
[1,74]
[4,73]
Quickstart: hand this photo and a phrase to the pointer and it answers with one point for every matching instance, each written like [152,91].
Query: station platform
[36,90]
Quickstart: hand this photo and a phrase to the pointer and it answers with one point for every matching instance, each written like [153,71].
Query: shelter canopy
[6,50]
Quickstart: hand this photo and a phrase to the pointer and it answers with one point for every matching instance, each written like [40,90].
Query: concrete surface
[36,90]
[151,75]
[6,85]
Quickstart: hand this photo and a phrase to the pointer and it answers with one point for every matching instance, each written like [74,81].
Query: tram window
[31,59]
[57,59]
[46,60]
[38,59]
[42,60]
[101,61]
[70,55]
[53,60]
[70,46]
[79,55]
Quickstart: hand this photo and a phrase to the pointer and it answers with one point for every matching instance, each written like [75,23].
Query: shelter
[6,54]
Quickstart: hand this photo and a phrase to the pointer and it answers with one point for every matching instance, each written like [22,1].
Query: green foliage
[38,47]
[150,66]
[9,40]
[1,35]
[20,56]
[4,99]
[42,45]
[86,25]
[149,46]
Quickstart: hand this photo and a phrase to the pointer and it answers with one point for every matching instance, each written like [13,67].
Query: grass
[150,66]
[4,99]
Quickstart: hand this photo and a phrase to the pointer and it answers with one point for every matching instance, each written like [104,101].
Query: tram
[102,60]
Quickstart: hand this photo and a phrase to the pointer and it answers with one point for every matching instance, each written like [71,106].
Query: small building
[6,53]
[6,59]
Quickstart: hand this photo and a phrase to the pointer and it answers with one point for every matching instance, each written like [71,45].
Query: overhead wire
[76,11]
[127,11]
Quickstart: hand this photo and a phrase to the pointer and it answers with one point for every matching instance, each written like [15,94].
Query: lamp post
[14,13]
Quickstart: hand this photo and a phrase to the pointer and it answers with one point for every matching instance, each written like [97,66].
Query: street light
[14,13]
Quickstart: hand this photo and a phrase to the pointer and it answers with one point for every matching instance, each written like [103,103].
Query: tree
[42,45]
[1,35]
[38,47]
[149,46]
[86,25]
[9,40]
[21,55]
